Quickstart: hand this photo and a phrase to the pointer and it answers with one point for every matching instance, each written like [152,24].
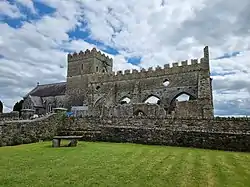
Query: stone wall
[219,133]
[9,116]
[28,131]
[100,89]
[188,108]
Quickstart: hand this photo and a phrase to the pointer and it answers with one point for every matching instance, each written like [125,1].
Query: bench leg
[56,142]
[72,143]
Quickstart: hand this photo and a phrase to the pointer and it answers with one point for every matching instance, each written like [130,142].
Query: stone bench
[73,140]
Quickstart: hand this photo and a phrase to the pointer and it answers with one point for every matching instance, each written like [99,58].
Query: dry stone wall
[219,133]
[28,131]
[14,115]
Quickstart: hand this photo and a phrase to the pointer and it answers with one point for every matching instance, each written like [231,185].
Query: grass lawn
[112,164]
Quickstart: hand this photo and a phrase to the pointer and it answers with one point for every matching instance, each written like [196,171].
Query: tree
[18,107]
[1,107]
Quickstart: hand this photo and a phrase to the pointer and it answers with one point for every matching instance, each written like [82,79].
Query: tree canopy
[1,107]
[18,106]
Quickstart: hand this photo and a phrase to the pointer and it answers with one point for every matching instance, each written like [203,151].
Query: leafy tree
[1,107]
[18,107]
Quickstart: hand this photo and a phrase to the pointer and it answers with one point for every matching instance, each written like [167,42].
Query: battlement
[89,54]
[184,66]
[195,64]
[167,69]
[177,67]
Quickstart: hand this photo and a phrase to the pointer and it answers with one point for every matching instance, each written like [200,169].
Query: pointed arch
[174,98]
[152,99]
[99,100]
[183,96]
[165,82]
[125,100]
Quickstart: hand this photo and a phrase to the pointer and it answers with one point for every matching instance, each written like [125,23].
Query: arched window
[184,97]
[139,113]
[125,100]
[59,105]
[152,100]
[82,66]
[166,82]
[96,69]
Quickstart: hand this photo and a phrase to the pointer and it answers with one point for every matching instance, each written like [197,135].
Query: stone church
[43,98]
[91,84]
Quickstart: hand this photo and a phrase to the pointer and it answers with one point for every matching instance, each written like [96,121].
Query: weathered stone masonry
[91,82]
[14,115]
[28,131]
[219,133]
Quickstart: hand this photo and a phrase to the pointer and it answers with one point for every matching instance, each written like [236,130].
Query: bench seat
[73,140]
[67,137]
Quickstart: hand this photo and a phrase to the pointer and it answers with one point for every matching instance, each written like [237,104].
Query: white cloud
[29,4]
[9,10]
[158,31]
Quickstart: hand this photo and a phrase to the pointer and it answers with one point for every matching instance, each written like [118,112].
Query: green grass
[111,164]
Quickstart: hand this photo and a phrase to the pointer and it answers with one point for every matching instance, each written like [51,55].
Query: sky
[36,36]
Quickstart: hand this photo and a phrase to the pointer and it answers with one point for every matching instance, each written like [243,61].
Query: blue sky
[37,35]
[44,10]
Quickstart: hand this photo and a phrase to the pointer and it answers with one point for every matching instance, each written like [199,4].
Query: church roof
[37,101]
[48,90]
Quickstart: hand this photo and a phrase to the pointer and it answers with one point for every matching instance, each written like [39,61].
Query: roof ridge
[31,91]
[51,84]
[51,89]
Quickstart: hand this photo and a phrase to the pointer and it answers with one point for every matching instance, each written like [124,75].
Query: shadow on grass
[50,146]
[62,145]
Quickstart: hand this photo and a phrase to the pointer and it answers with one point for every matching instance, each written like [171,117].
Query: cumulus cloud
[29,4]
[8,10]
[157,31]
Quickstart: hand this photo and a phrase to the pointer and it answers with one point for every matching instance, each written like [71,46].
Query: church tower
[80,67]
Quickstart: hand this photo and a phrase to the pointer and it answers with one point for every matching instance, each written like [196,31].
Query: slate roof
[37,101]
[48,90]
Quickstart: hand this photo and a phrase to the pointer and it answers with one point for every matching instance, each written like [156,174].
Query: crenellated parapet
[89,54]
[167,69]
[176,67]
[185,66]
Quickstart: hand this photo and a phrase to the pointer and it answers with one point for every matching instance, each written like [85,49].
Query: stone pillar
[205,87]
[56,142]
[136,95]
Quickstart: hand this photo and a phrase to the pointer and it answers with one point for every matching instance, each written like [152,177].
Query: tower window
[96,69]
[82,66]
